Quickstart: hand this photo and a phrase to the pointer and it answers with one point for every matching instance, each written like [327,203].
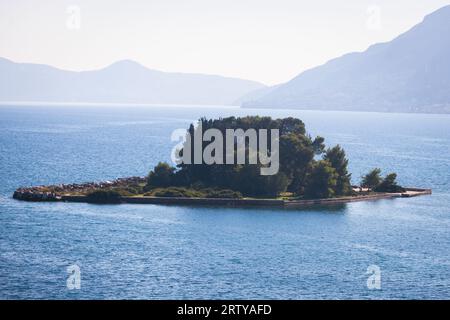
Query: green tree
[389,184]
[337,159]
[250,182]
[297,151]
[321,181]
[318,145]
[161,176]
[372,179]
[276,184]
[296,155]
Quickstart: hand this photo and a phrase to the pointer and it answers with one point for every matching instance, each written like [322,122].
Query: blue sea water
[172,252]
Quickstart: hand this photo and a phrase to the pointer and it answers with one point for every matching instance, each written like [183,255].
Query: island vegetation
[308,170]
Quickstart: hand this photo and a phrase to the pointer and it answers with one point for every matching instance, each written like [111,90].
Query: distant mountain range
[122,82]
[408,74]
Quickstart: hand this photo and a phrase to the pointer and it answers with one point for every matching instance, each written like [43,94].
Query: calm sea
[171,252]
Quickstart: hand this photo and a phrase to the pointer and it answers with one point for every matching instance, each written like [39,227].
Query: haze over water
[152,251]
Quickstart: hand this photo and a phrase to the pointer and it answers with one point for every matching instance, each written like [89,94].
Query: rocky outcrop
[56,192]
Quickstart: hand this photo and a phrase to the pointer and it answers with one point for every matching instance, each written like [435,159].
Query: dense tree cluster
[372,179]
[375,182]
[306,168]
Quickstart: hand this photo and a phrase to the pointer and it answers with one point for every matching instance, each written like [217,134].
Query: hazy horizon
[265,41]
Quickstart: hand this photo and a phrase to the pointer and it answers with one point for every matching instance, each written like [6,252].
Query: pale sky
[267,41]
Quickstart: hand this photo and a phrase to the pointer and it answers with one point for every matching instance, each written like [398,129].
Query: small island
[308,173]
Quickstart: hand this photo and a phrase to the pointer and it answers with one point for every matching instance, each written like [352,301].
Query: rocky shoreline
[57,192]
[78,193]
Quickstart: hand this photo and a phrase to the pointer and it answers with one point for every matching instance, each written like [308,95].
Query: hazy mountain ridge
[121,82]
[408,74]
